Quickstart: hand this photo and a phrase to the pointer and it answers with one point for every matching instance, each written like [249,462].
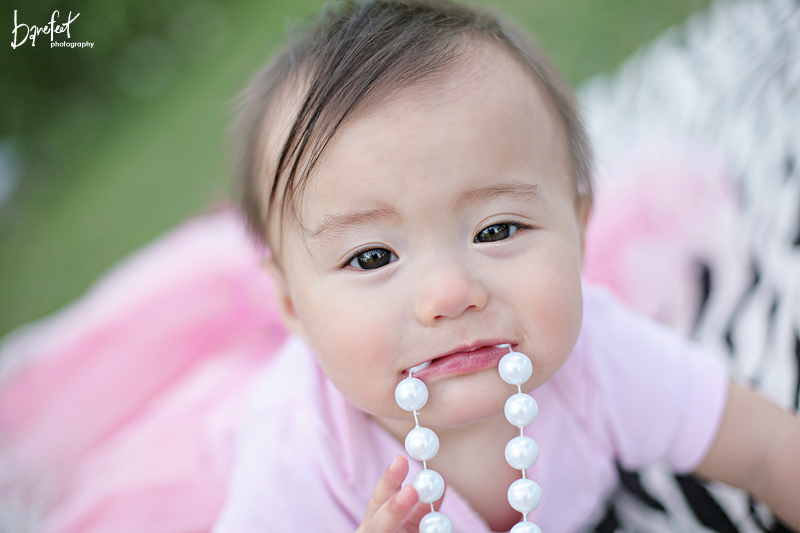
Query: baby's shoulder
[624,358]
[295,429]
[647,383]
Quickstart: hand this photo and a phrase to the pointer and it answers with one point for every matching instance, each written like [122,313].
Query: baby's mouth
[489,347]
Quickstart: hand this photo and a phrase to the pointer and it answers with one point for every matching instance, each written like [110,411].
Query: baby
[422,180]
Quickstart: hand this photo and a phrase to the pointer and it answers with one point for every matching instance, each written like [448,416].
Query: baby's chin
[444,424]
[465,414]
[444,414]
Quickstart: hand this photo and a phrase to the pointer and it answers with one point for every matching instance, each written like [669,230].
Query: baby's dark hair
[356,54]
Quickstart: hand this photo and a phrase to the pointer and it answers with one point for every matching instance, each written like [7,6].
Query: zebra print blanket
[704,127]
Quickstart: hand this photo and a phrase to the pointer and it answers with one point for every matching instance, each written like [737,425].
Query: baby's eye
[372,259]
[497,232]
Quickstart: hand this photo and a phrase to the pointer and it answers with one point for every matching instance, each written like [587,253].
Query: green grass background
[163,159]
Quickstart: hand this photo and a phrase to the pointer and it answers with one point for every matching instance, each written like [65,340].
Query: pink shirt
[631,391]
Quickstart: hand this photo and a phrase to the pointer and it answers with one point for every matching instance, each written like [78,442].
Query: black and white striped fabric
[726,84]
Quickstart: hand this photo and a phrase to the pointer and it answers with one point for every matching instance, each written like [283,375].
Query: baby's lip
[463,351]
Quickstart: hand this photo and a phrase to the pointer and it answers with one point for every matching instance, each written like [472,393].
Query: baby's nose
[448,293]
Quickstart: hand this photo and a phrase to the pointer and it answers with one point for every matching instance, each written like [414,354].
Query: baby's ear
[285,302]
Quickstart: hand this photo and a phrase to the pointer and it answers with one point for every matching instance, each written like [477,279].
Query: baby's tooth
[419,367]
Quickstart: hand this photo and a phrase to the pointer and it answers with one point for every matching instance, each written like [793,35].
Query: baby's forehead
[480,68]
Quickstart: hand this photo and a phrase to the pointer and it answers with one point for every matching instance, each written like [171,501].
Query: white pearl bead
[429,484]
[522,452]
[521,409]
[515,368]
[524,495]
[411,394]
[422,444]
[525,527]
[435,522]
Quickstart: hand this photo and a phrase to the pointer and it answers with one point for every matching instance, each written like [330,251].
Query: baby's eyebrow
[339,222]
[521,190]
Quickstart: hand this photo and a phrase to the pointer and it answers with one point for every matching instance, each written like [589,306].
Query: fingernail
[395,463]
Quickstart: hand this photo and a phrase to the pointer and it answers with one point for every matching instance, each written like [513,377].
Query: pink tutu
[119,413]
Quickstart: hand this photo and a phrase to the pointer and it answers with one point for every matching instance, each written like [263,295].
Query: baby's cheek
[554,303]
[356,352]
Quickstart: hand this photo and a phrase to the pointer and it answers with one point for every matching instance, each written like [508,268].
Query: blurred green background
[104,148]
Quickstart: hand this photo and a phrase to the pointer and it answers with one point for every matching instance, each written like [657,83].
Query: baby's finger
[392,516]
[421,509]
[388,485]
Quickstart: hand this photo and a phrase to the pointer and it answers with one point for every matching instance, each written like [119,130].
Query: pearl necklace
[521,452]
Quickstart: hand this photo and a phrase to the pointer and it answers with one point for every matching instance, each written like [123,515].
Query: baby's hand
[392,507]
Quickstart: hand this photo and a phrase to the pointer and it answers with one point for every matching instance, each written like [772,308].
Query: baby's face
[437,226]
